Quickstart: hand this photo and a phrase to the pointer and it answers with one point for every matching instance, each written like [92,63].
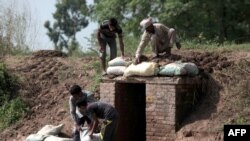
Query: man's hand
[91,136]
[101,49]
[122,56]
[137,60]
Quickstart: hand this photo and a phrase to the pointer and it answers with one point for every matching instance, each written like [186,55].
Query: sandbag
[142,69]
[54,138]
[191,69]
[116,70]
[173,69]
[118,61]
[50,130]
[85,137]
[36,137]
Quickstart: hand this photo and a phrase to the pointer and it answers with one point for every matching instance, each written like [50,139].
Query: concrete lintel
[155,80]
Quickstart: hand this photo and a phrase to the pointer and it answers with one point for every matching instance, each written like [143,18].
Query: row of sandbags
[50,133]
[119,66]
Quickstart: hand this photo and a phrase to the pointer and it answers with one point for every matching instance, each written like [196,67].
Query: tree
[16,38]
[70,17]
[213,20]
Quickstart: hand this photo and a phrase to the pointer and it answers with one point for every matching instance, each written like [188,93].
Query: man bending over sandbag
[100,110]
[79,118]
[162,39]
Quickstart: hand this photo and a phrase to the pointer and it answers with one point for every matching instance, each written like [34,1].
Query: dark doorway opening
[130,101]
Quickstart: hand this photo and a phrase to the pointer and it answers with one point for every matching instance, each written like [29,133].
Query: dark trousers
[109,130]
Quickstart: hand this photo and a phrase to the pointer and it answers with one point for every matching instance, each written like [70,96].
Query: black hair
[75,89]
[113,22]
[81,103]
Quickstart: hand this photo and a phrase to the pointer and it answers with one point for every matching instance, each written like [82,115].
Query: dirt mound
[49,53]
[226,100]
[45,83]
[46,79]
[206,61]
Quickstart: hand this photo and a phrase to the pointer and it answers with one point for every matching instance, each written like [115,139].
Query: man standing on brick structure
[106,34]
[162,39]
[100,110]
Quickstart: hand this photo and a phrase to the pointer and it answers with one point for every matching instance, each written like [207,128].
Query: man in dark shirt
[100,110]
[106,34]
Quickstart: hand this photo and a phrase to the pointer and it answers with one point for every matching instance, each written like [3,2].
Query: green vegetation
[16,38]
[12,108]
[213,45]
[199,24]
[96,80]
[11,112]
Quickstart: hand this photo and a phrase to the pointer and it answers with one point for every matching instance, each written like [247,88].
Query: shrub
[12,108]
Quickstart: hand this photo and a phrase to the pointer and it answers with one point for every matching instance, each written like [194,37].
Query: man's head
[147,24]
[76,91]
[82,105]
[112,23]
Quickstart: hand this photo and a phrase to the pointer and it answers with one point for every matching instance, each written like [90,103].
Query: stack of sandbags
[117,66]
[178,69]
[48,133]
[51,130]
[142,69]
[36,137]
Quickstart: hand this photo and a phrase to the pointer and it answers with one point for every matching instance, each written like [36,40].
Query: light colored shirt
[86,95]
[161,35]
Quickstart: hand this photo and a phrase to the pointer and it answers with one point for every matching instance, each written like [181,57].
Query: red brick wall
[160,112]
[161,107]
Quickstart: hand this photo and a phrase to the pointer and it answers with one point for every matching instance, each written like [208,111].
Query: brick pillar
[107,92]
[160,112]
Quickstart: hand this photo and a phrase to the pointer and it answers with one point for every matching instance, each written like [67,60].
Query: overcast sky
[41,11]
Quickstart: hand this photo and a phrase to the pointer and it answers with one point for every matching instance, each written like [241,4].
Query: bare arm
[98,35]
[121,44]
[143,43]
[93,125]
[72,109]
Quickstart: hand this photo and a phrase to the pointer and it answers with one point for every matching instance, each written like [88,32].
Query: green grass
[96,80]
[12,108]
[214,46]
[11,112]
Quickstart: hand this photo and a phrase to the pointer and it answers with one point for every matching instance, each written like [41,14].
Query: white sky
[41,11]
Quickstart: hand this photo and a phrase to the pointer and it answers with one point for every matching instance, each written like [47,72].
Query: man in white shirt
[78,94]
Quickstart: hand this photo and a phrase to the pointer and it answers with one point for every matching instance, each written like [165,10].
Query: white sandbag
[173,69]
[54,138]
[142,69]
[50,130]
[85,137]
[118,61]
[191,69]
[36,137]
[116,70]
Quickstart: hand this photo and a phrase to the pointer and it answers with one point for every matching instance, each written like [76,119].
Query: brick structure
[150,108]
